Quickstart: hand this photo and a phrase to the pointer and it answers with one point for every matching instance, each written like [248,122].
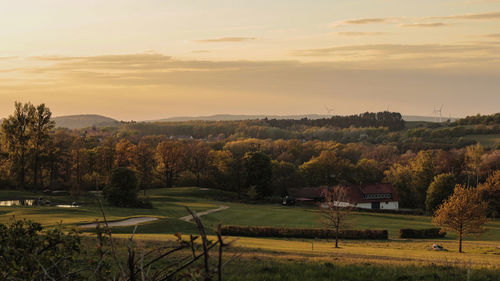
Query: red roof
[354,193]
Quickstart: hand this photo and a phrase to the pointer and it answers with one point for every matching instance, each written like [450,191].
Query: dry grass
[401,252]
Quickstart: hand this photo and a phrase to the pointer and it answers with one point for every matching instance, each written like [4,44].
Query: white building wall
[383,205]
[364,205]
[389,205]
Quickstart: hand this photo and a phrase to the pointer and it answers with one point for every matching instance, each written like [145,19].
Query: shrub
[285,232]
[122,189]
[421,233]
[27,252]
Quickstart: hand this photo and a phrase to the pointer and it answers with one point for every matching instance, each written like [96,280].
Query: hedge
[421,233]
[284,232]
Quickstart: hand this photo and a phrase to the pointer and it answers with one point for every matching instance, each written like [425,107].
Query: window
[377,196]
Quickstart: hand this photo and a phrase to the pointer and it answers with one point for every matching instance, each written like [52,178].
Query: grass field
[481,251]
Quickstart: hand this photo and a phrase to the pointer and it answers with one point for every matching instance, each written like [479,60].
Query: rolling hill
[84,121]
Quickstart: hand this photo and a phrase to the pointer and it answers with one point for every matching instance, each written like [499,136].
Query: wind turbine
[328,110]
[440,111]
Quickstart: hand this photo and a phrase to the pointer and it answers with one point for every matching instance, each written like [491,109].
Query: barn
[379,196]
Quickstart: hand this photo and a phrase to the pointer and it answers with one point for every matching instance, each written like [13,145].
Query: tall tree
[143,162]
[124,153]
[422,168]
[40,129]
[170,156]
[464,212]
[473,155]
[259,172]
[490,193]
[16,133]
[198,158]
[440,188]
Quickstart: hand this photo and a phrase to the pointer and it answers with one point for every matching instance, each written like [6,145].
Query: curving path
[189,217]
[125,222]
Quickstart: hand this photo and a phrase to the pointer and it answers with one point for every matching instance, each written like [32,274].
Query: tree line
[36,155]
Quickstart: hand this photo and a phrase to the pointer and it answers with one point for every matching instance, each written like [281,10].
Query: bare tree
[335,209]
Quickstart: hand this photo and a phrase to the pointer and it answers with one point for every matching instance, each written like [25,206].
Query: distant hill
[84,121]
[427,118]
[231,117]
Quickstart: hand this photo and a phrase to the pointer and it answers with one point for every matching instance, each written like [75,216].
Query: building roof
[354,194]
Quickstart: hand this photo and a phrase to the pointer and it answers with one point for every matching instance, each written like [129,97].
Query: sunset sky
[152,59]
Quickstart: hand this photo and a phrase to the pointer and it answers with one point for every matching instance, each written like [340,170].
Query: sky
[150,59]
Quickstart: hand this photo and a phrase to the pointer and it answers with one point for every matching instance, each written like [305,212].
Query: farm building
[367,196]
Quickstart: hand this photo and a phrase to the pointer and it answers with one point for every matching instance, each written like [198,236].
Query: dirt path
[189,217]
[125,222]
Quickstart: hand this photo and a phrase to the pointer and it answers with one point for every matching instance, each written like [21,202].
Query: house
[367,196]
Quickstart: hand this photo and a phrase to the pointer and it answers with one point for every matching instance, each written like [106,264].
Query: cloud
[476,16]
[405,21]
[493,35]
[360,33]
[138,85]
[225,39]
[363,21]
[424,24]
[200,51]
[402,49]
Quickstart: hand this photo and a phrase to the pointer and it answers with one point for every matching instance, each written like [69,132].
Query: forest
[254,158]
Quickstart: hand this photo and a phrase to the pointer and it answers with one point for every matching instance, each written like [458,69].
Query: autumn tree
[220,168]
[197,158]
[422,169]
[285,175]
[440,188]
[143,162]
[400,176]
[335,211]
[40,129]
[259,172]
[326,169]
[123,153]
[489,192]
[463,212]
[368,171]
[78,154]
[473,155]
[59,158]
[106,157]
[170,156]
[17,135]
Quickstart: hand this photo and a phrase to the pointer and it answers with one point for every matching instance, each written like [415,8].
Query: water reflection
[10,203]
[35,202]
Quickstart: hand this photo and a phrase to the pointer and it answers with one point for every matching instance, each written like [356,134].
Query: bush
[122,189]
[27,252]
[284,232]
[421,233]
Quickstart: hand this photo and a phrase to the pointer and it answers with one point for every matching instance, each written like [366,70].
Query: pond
[36,202]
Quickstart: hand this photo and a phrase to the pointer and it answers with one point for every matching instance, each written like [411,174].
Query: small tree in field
[463,212]
[336,212]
